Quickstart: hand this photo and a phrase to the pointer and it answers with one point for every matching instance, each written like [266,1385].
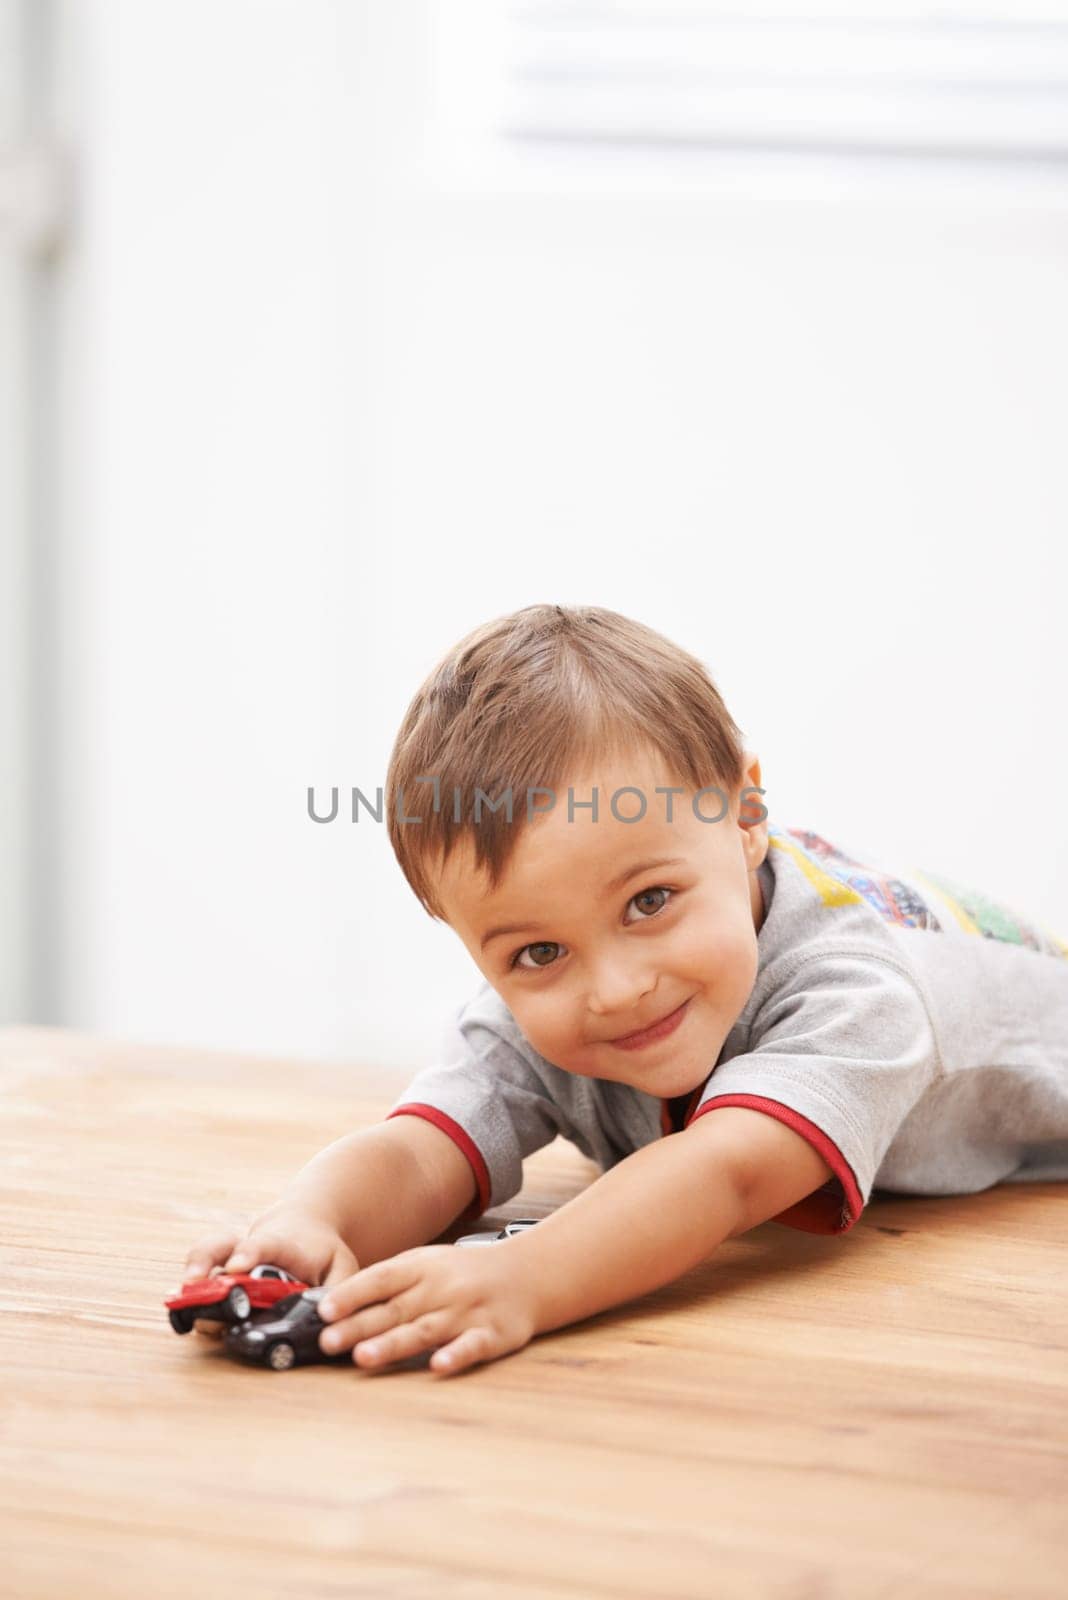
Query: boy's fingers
[240,1252]
[249,1252]
[208,1252]
[243,1258]
[343,1265]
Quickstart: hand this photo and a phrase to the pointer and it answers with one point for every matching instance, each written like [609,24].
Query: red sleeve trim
[459,1137]
[821,1211]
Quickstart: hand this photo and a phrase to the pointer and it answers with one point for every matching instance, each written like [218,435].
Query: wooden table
[802,1418]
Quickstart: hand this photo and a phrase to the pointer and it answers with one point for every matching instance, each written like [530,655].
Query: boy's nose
[617,989]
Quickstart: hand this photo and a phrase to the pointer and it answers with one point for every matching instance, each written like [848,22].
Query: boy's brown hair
[525,702]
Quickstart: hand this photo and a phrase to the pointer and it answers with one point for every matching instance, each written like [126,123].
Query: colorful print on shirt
[977,913]
[902,903]
[895,901]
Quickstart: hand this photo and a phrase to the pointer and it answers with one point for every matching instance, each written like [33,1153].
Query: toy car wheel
[281,1356]
[238,1303]
[182,1321]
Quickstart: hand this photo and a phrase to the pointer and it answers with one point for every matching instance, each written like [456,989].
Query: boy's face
[591,959]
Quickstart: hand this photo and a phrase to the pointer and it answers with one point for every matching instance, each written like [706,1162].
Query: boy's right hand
[285,1236]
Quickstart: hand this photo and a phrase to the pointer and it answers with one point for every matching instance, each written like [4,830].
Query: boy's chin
[667,1079]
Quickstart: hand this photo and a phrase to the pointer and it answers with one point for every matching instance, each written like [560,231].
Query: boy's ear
[752,812]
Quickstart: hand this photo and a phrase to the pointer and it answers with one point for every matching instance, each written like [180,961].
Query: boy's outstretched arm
[638,1226]
[664,1209]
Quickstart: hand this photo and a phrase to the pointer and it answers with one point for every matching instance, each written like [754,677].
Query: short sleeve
[841,1051]
[487,1090]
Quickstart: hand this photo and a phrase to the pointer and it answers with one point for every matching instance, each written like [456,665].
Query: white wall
[14,744]
[331,412]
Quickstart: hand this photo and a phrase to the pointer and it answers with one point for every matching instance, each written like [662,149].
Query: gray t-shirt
[912,1030]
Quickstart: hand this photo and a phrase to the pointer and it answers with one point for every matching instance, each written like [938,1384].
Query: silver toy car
[509,1231]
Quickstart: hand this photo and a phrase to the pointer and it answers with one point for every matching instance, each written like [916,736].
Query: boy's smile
[624,950]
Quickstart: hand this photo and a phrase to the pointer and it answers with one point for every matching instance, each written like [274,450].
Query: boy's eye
[534,949]
[647,894]
[538,950]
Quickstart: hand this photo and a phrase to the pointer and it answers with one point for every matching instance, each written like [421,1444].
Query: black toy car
[285,1336]
[509,1231]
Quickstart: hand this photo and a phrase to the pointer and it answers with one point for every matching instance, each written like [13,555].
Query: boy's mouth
[655,1030]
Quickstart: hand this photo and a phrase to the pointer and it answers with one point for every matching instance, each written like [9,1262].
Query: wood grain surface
[802,1418]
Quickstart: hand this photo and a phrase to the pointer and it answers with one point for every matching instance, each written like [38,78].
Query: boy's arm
[386,1188]
[369,1195]
[663,1210]
[641,1224]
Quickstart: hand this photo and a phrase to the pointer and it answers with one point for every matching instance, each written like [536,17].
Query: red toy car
[230,1296]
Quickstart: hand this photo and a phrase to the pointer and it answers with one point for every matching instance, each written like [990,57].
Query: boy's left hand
[466,1305]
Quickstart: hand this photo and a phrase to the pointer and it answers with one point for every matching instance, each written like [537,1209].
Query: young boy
[737,1021]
